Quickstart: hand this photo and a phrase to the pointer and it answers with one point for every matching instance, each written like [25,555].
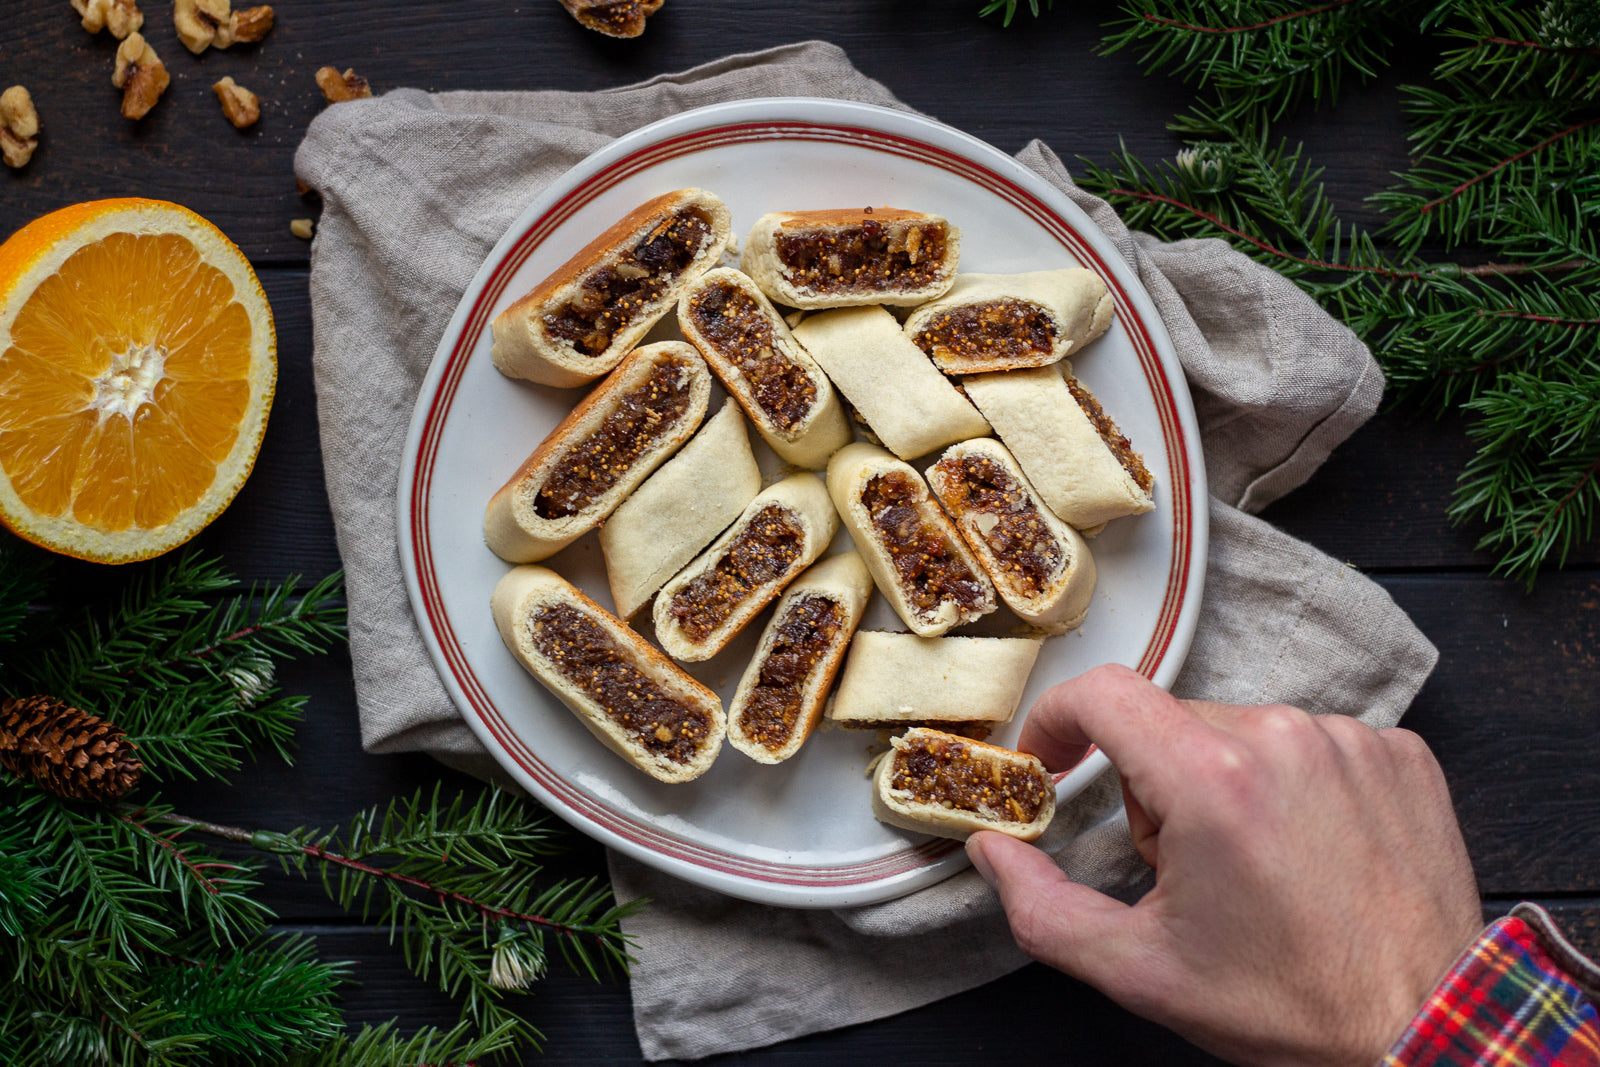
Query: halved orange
[137,365]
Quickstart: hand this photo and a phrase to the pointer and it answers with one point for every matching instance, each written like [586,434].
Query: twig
[1512,313]
[1160,21]
[1561,49]
[317,852]
[1481,270]
[1470,182]
[1561,504]
[167,843]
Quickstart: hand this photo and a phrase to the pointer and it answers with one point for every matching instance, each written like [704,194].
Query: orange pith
[136,367]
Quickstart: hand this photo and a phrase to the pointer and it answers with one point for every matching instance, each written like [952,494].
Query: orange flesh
[121,398]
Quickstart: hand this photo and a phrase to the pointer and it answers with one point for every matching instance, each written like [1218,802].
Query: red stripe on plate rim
[579,804]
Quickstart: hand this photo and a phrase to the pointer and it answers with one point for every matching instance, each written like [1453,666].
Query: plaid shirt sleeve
[1520,996]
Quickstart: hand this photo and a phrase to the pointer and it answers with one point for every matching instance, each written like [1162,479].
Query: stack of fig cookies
[1016,463]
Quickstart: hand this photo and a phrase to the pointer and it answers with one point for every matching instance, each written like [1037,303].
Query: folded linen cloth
[409,216]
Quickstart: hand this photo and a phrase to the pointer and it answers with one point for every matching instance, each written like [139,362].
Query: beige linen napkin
[417,188]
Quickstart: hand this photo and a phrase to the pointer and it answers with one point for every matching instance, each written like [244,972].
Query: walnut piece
[238,103]
[121,17]
[338,88]
[203,24]
[19,126]
[246,27]
[614,18]
[302,228]
[140,75]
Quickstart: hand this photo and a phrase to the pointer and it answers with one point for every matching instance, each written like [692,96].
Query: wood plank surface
[1512,709]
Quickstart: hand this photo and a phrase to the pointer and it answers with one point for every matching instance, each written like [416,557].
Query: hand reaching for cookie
[1311,886]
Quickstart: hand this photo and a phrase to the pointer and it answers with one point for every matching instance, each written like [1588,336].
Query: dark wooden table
[1513,710]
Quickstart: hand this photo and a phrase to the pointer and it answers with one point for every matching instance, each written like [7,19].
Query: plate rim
[940,857]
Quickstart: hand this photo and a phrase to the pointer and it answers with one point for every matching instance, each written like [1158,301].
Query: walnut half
[140,75]
[337,88]
[121,17]
[238,103]
[614,18]
[19,126]
[203,24]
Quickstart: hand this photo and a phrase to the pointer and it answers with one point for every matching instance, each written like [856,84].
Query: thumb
[1055,920]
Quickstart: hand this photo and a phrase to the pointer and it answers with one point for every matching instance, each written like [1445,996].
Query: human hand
[1311,886]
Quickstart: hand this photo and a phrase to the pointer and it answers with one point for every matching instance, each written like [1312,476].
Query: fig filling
[867,257]
[999,331]
[763,552]
[804,635]
[589,658]
[947,772]
[1120,446]
[1006,518]
[739,329]
[924,558]
[613,295]
[593,465]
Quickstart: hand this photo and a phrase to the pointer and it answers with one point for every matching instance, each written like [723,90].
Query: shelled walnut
[238,103]
[203,24]
[121,17]
[614,18]
[19,126]
[337,88]
[140,75]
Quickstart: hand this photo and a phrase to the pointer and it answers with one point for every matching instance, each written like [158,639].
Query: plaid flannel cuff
[1506,1003]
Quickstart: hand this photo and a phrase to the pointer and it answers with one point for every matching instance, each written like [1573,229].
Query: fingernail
[980,862]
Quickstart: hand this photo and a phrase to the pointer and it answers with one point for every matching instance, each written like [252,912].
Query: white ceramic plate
[802,833]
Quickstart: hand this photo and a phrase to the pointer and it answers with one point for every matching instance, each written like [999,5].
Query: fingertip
[1055,920]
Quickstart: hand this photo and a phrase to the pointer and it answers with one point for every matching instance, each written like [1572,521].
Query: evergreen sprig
[457,884]
[1260,58]
[189,676]
[1481,293]
[124,940]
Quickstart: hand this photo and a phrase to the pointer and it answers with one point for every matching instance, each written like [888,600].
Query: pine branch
[1259,58]
[1474,156]
[24,890]
[456,884]
[1510,51]
[188,676]
[262,1001]
[1536,478]
[129,886]
[1516,329]
[380,1046]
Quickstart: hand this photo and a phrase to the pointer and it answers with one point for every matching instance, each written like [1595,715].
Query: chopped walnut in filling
[589,658]
[1120,446]
[925,559]
[804,635]
[764,551]
[944,771]
[612,297]
[1006,332]
[738,328]
[868,257]
[1008,520]
[589,469]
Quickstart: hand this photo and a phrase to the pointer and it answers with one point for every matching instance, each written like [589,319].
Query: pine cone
[66,750]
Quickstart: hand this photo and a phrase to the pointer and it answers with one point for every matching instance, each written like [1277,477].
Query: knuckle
[1228,770]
